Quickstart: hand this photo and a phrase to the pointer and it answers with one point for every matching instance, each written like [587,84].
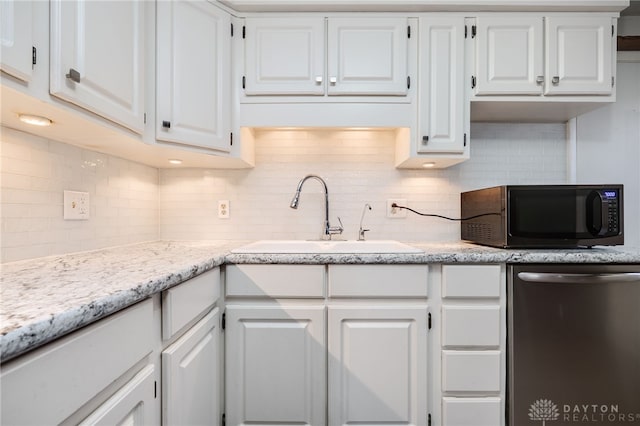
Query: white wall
[608,146]
[358,168]
[36,171]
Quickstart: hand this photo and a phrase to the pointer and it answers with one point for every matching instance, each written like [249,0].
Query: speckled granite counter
[45,298]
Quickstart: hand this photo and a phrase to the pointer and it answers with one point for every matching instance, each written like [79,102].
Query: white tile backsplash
[131,202]
[35,172]
[358,168]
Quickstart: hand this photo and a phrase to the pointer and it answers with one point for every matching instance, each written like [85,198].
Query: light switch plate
[76,205]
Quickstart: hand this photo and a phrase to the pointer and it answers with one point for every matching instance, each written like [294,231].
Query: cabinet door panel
[132,405]
[193,74]
[579,55]
[191,375]
[442,112]
[284,56]
[275,365]
[377,365]
[509,55]
[367,56]
[110,63]
[17,38]
[481,411]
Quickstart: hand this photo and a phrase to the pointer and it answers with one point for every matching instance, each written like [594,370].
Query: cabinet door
[96,65]
[377,365]
[284,56]
[191,385]
[133,404]
[367,56]
[17,38]
[579,56]
[193,58]
[509,54]
[275,365]
[442,97]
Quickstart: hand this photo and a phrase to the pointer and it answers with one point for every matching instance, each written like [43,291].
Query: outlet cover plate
[76,205]
[395,213]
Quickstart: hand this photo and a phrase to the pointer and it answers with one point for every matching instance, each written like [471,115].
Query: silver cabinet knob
[73,75]
[333,80]
[555,80]
[540,80]
[319,79]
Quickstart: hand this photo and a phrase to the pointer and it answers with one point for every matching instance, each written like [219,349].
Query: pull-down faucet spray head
[295,200]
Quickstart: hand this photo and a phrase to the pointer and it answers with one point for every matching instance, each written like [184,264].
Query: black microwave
[543,216]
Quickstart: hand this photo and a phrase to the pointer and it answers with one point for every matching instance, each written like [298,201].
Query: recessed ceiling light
[429,165]
[35,120]
[175,161]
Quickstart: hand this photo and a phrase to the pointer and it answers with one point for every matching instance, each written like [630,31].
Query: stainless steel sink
[326,247]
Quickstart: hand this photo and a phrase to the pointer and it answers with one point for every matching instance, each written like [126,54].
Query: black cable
[394,205]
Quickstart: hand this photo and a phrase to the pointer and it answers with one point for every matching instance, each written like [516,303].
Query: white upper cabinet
[354,56]
[509,55]
[96,65]
[556,55]
[193,74]
[16,24]
[442,112]
[284,56]
[367,56]
[579,52]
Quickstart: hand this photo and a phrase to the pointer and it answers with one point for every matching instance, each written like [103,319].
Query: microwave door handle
[551,278]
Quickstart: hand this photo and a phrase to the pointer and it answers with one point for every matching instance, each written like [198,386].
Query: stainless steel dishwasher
[573,334]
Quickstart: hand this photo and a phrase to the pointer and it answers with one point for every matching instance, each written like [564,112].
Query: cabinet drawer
[471,371]
[471,411]
[471,325]
[471,281]
[49,384]
[184,302]
[378,280]
[276,281]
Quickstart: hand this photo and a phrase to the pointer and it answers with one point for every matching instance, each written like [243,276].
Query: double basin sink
[326,247]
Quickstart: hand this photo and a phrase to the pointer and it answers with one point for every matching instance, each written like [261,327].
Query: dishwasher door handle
[552,278]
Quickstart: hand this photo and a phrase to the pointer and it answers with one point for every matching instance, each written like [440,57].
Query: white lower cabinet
[377,365]
[191,375]
[275,365]
[473,345]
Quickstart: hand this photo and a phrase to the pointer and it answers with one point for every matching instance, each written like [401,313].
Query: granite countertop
[45,298]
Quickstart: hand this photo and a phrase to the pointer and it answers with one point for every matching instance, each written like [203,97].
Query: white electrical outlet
[394,212]
[76,205]
[223,209]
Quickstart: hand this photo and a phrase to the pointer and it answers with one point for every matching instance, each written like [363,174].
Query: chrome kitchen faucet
[328,229]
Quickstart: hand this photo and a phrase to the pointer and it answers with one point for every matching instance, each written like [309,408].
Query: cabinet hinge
[429,420]
[465,140]
[224,321]
[465,31]
[473,81]
[155,389]
[408,31]
[244,81]
[613,81]
[429,320]
[473,31]
[244,31]
[612,30]
[408,82]
[232,30]
[34,55]
[224,419]
[144,118]
[231,138]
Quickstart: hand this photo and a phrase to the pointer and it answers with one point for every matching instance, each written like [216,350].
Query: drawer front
[471,325]
[184,302]
[275,281]
[471,281]
[471,411]
[378,281]
[49,384]
[472,371]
